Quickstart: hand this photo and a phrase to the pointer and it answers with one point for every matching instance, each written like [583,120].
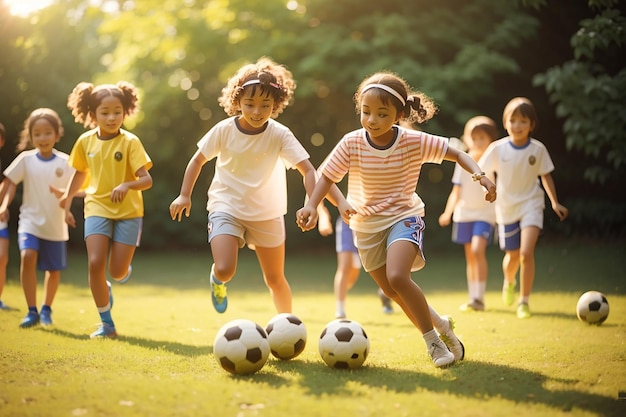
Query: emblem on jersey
[58,172]
[532,160]
[118,156]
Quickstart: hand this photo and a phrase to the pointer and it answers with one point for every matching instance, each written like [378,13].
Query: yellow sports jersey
[108,164]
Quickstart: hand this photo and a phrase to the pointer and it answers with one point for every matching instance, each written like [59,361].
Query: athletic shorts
[265,234]
[373,246]
[126,231]
[4,233]
[509,235]
[344,241]
[463,232]
[51,256]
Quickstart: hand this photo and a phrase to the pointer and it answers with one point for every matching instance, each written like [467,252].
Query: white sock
[482,288]
[442,325]
[430,337]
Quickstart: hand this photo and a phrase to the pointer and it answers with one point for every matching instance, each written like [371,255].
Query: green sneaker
[508,294]
[218,294]
[451,341]
[523,311]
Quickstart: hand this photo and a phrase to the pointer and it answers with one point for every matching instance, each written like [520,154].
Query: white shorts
[265,234]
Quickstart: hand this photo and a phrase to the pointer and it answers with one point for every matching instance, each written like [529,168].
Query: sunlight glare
[26,7]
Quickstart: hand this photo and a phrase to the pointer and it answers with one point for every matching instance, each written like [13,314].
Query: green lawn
[162,363]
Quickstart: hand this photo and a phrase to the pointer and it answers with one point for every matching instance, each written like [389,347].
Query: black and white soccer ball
[592,307]
[241,347]
[286,334]
[344,344]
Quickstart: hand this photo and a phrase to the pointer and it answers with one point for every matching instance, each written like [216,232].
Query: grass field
[162,363]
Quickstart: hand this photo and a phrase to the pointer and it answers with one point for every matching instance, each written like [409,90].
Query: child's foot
[45,317]
[508,293]
[452,342]
[473,305]
[440,354]
[340,314]
[105,330]
[31,319]
[387,308]
[523,311]
[127,277]
[4,306]
[218,294]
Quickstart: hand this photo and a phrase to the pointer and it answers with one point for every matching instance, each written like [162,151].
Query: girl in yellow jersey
[115,165]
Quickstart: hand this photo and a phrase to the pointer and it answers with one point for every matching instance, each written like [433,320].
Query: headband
[257,81]
[387,89]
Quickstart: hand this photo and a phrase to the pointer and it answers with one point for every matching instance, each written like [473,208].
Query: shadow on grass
[167,346]
[472,379]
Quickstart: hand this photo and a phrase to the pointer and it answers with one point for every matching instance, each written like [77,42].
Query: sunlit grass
[162,363]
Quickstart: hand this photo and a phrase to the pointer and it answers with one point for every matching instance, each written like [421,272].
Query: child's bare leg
[28,276]
[272,261]
[225,250]
[51,285]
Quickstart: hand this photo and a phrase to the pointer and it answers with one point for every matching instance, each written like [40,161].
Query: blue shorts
[344,238]
[4,233]
[373,246]
[509,236]
[463,232]
[51,256]
[126,231]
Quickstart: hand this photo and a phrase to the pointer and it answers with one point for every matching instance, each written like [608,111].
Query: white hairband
[387,89]
[257,81]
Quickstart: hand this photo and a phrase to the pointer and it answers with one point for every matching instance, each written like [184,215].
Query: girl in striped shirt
[383,161]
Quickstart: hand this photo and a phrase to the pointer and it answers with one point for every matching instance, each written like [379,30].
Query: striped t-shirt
[382,182]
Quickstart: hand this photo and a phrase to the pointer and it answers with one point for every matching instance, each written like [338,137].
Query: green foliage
[589,93]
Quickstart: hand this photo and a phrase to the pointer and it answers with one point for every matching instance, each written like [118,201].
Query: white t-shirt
[40,214]
[3,225]
[471,206]
[250,181]
[517,176]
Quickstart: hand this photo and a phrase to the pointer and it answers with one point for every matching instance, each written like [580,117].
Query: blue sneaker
[127,277]
[4,306]
[218,294]
[45,317]
[110,293]
[31,319]
[105,330]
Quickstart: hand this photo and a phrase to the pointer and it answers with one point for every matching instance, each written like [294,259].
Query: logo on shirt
[532,160]
[118,156]
[58,172]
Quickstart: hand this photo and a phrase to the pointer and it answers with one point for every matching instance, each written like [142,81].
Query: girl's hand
[560,211]
[56,191]
[444,219]
[306,218]
[179,206]
[490,195]
[346,211]
[69,219]
[119,192]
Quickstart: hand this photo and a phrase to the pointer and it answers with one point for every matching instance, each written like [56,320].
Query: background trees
[471,57]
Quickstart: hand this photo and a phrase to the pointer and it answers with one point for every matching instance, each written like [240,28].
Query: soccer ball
[287,336]
[592,307]
[241,347]
[344,344]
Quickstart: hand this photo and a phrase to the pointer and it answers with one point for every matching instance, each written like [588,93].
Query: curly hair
[417,106]
[86,97]
[272,79]
[42,113]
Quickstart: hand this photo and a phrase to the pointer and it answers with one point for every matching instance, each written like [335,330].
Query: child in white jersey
[383,161]
[4,232]
[114,164]
[42,232]
[247,198]
[518,161]
[474,218]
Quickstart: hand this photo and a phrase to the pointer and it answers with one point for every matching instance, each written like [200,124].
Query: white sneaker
[440,354]
[452,342]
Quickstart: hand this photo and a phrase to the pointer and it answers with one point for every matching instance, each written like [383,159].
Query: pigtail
[130,100]
[78,102]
